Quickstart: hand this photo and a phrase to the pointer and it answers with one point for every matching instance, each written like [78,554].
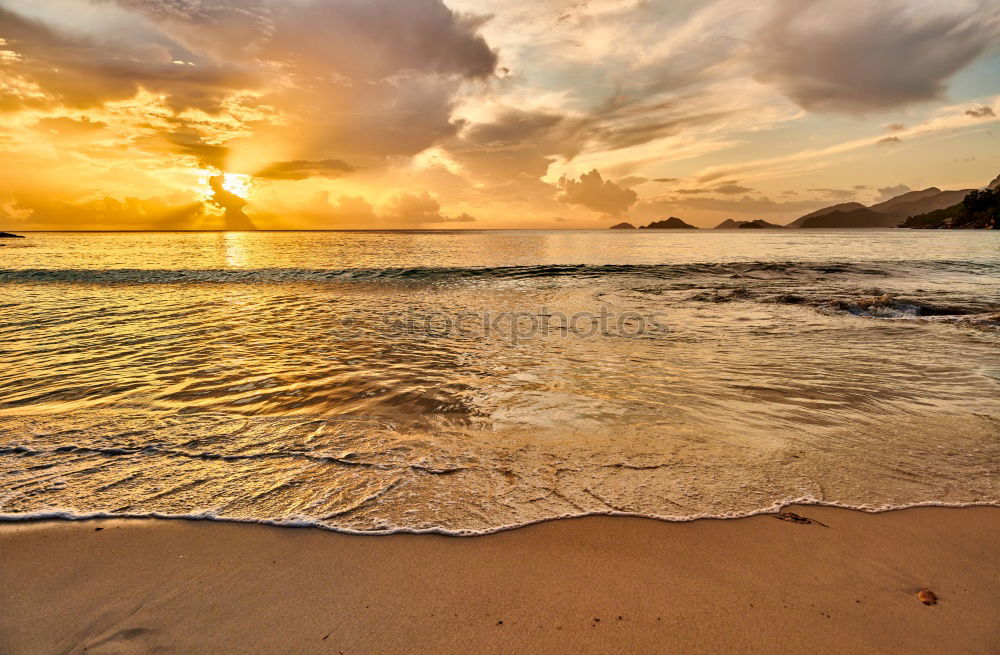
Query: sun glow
[237,183]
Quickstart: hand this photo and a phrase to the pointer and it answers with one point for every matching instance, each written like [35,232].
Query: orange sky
[190,114]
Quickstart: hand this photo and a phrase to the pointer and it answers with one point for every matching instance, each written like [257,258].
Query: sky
[431,114]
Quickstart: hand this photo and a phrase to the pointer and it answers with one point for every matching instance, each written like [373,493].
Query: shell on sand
[926,596]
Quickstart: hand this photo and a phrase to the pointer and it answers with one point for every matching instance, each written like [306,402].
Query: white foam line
[305,522]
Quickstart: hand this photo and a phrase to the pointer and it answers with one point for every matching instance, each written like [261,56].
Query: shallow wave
[768,384]
[308,523]
[434,274]
[467,481]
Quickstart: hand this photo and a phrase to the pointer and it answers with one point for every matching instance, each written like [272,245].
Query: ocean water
[466,382]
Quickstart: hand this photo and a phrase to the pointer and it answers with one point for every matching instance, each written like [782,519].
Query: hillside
[843,207]
[979,210]
[889,213]
[858,218]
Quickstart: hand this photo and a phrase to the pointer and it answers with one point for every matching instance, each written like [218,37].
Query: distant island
[8,235]
[672,223]
[759,224]
[929,208]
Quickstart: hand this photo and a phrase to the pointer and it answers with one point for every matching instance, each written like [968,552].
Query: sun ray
[237,183]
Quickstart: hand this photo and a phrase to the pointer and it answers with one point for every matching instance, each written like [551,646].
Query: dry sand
[593,585]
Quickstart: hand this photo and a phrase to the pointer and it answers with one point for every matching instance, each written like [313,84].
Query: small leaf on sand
[795,518]
[926,596]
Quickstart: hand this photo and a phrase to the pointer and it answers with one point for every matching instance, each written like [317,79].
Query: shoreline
[707,585]
[773,511]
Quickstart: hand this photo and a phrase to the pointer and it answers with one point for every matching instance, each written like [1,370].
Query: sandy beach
[593,585]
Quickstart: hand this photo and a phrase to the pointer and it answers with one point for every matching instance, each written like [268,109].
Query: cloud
[731,189]
[861,56]
[889,192]
[65,126]
[839,195]
[981,112]
[363,80]
[514,144]
[594,192]
[27,211]
[423,208]
[346,210]
[746,206]
[71,65]
[190,143]
[301,169]
[726,189]
[430,102]
[232,204]
[888,141]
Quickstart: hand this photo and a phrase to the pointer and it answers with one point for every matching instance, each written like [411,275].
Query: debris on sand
[795,518]
[926,596]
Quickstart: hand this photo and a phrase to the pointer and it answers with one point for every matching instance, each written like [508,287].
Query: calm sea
[465,382]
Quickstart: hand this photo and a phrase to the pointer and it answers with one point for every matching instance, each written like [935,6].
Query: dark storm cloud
[859,56]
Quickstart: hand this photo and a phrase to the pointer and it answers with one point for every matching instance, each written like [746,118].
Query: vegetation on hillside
[979,210]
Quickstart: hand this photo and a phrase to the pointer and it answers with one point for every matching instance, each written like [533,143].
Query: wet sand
[592,585]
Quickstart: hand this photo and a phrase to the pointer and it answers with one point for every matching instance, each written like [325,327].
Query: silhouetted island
[672,223]
[8,235]
[759,224]
[622,226]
